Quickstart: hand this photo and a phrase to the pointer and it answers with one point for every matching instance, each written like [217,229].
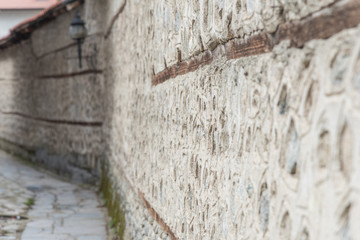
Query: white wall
[10,18]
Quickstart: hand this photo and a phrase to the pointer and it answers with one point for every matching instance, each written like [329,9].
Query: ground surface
[36,205]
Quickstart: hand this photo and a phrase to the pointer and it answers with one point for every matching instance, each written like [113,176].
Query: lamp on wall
[78,32]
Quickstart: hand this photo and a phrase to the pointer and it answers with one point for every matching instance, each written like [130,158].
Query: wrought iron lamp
[78,32]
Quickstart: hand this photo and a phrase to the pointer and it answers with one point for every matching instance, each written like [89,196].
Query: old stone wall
[190,27]
[210,119]
[48,105]
[259,147]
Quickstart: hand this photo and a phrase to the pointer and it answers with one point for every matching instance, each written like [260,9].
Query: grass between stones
[29,203]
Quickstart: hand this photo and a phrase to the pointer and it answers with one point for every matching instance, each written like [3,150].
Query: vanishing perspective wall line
[56,121]
[318,27]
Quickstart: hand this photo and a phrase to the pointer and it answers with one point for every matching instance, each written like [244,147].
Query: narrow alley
[35,204]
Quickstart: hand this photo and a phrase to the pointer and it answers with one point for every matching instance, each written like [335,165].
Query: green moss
[30,202]
[113,202]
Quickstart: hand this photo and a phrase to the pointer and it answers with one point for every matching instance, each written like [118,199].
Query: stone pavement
[36,205]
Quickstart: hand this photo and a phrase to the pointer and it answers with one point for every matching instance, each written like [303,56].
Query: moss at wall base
[113,202]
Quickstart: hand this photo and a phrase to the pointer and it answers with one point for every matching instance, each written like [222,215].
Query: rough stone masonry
[205,119]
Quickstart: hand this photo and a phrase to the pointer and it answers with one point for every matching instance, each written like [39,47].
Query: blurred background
[13,12]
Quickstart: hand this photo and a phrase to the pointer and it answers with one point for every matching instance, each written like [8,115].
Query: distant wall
[51,107]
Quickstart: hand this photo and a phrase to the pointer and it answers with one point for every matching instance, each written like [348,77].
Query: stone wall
[260,145]
[189,27]
[50,107]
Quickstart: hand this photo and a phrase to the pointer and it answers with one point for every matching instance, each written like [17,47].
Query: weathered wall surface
[258,147]
[190,27]
[263,147]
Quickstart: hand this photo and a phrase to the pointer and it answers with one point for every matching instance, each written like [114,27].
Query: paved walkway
[59,210]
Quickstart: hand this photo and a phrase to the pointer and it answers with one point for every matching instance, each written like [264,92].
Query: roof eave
[23,30]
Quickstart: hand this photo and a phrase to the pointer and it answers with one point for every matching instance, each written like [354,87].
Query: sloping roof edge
[26,4]
[23,30]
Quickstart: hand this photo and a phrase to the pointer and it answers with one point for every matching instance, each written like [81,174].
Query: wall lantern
[78,32]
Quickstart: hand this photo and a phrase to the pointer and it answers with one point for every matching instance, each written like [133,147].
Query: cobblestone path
[36,205]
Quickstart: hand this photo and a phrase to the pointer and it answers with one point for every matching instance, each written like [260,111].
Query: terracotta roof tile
[23,30]
[26,4]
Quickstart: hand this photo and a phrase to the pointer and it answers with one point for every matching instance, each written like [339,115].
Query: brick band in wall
[73,74]
[56,121]
[157,217]
[319,27]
